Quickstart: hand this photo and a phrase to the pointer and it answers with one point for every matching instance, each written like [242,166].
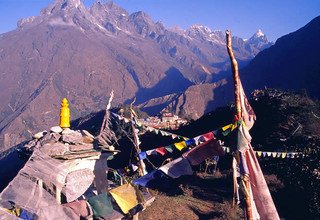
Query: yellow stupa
[64,114]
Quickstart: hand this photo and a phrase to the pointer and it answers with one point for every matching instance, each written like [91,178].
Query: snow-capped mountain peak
[201,28]
[259,33]
[259,39]
[64,5]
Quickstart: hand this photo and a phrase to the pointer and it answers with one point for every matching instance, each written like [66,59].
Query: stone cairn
[64,143]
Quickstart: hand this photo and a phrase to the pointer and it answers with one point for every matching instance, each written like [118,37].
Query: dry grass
[202,197]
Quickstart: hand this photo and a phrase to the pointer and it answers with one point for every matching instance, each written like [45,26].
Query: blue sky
[275,17]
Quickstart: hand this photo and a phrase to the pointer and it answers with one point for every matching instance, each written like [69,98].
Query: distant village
[164,120]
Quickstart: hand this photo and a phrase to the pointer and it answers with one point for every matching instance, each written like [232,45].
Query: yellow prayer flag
[283,155]
[180,145]
[259,153]
[125,196]
[226,127]
[234,126]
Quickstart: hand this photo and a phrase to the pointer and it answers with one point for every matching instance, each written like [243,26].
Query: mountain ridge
[84,53]
[291,63]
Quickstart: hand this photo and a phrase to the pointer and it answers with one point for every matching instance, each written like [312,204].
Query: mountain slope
[83,53]
[292,63]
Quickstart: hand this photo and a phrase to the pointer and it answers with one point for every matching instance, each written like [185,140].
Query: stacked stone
[60,142]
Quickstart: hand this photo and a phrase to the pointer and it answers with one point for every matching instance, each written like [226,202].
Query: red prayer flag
[161,150]
[208,136]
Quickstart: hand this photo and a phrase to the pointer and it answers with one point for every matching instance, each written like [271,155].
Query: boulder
[56,129]
[67,131]
[73,138]
[39,134]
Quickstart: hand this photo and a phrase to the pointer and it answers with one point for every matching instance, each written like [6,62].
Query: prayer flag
[247,112]
[125,196]
[197,139]
[169,148]
[260,191]
[177,168]
[208,136]
[150,152]
[224,128]
[161,150]
[154,179]
[180,145]
[142,155]
[205,150]
[190,142]
[101,205]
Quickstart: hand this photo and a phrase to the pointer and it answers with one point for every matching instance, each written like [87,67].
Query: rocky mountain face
[83,53]
[291,63]
[260,42]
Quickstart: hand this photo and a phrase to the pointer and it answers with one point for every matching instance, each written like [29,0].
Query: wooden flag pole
[236,79]
[132,115]
[235,74]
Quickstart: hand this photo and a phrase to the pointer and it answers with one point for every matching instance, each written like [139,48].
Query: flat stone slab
[80,147]
[55,149]
[87,133]
[73,138]
[73,155]
[77,182]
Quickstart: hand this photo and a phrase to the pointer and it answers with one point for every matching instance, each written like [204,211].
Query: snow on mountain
[84,53]
[258,42]
[259,33]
